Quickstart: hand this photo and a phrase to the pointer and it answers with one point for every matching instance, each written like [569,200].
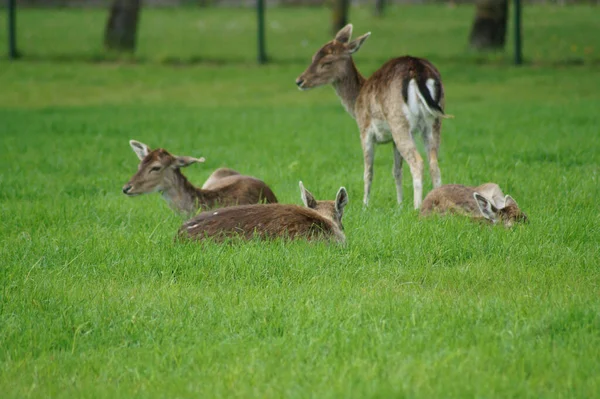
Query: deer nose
[126,188]
[299,82]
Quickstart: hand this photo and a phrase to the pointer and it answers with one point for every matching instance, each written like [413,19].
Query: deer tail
[432,106]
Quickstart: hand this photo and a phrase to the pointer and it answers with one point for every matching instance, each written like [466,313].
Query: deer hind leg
[397,173]
[406,146]
[368,146]
[431,137]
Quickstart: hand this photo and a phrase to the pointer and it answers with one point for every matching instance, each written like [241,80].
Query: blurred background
[189,31]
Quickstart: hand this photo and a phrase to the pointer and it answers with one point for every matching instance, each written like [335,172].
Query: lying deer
[316,220]
[403,97]
[160,171]
[485,202]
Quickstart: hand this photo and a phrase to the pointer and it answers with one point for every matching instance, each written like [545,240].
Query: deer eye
[155,169]
[326,64]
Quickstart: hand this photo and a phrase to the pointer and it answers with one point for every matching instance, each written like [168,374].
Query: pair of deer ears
[141,150]
[341,199]
[489,210]
[344,35]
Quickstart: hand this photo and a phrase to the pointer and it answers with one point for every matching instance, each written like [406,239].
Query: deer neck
[180,194]
[348,86]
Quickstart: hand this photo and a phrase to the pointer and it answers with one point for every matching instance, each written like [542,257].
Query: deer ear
[140,149]
[344,35]
[182,162]
[354,45]
[341,200]
[508,200]
[307,198]
[489,211]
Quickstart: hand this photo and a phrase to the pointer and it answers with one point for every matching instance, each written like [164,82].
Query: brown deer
[316,220]
[403,97]
[160,171]
[485,202]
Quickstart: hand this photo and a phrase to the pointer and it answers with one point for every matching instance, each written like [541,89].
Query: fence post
[12,30]
[518,48]
[260,11]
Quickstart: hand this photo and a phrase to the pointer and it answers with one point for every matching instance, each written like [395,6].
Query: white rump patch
[416,110]
[431,87]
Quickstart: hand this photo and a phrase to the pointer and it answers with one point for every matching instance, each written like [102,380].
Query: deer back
[380,91]
[237,190]
[451,198]
[217,175]
[263,220]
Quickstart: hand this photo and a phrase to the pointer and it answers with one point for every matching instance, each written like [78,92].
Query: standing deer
[485,202]
[403,97]
[160,171]
[316,220]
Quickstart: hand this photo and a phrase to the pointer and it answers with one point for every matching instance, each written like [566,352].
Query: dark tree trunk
[121,28]
[379,7]
[489,28]
[340,15]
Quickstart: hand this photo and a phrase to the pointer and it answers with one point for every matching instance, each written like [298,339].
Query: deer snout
[127,188]
[299,82]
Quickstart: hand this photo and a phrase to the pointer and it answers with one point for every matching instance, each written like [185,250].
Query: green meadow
[97,300]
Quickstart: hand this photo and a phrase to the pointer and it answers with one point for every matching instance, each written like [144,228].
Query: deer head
[333,210]
[156,170]
[509,215]
[330,63]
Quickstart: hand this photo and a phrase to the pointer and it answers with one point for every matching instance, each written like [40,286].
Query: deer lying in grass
[316,220]
[485,202]
[160,171]
[403,97]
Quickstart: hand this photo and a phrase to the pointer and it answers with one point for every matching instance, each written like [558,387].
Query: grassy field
[96,300]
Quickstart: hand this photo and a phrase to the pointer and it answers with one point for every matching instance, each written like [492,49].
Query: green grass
[97,300]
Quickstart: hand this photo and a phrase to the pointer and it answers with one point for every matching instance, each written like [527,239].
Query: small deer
[160,171]
[403,97]
[486,202]
[316,220]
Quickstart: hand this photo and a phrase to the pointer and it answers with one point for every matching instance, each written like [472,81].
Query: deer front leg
[397,172]
[368,147]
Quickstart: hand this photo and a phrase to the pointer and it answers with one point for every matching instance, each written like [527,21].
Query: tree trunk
[379,7]
[340,15]
[489,28]
[121,27]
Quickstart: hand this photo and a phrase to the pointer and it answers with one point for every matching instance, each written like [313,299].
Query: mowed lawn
[97,300]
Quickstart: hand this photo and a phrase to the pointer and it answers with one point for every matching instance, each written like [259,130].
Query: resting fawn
[485,202]
[403,97]
[316,220]
[160,171]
